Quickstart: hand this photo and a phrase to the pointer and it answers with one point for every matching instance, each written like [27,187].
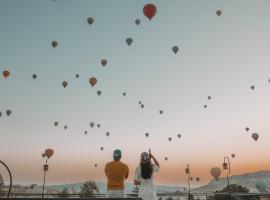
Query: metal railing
[180,195]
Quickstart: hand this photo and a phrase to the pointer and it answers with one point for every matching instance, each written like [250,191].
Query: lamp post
[227,166]
[10,178]
[45,169]
[48,153]
[187,171]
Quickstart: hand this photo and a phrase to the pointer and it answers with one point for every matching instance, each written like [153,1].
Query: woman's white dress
[147,189]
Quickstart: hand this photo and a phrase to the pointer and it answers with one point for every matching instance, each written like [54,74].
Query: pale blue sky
[218,56]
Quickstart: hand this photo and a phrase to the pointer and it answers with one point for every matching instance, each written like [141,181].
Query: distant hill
[247,180]
[103,187]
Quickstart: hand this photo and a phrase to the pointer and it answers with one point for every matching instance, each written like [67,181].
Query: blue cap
[117,154]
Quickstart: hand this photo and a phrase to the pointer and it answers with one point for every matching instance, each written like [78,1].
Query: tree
[88,189]
[233,188]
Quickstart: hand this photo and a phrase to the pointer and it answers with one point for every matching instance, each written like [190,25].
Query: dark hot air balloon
[175,49]
[129,41]
[54,44]
[34,76]
[218,13]
[255,136]
[8,112]
[92,124]
[146,134]
[99,92]
[103,62]
[137,22]
[64,84]
[90,20]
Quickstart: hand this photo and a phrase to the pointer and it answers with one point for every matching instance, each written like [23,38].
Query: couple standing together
[117,172]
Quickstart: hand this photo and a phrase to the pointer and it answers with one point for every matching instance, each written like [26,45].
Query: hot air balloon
[8,112]
[197,179]
[34,76]
[77,75]
[85,132]
[55,123]
[49,153]
[166,158]
[124,93]
[54,44]
[101,148]
[262,186]
[170,139]
[205,106]
[98,125]
[90,20]
[99,92]
[140,102]
[92,124]
[129,41]
[233,155]
[247,129]
[179,135]
[146,134]
[65,127]
[142,105]
[149,10]
[43,155]
[255,136]
[0,114]
[107,134]
[218,12]
[104,62]
[64,84]
[209,97]
[215,172]
[175,49]
[6,73]
[137,22]
[161,112]
[191,178]
[252,87]
[96,165]
[92,81]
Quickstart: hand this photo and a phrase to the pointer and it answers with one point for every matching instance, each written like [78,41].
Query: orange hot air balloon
[215,172]
[149,10]
[92,81]
[6,73]
[49,153]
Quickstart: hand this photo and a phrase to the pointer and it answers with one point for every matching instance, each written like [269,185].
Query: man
[116,173]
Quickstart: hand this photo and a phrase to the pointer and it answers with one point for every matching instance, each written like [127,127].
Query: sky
[219,56]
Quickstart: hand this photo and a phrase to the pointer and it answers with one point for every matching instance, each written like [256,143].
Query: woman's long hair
[146,170]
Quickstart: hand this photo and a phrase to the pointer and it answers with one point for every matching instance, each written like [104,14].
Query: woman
[144,176]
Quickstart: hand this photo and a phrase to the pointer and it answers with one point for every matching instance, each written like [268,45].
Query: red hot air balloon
[49,153]
[6,73]
[149,11]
